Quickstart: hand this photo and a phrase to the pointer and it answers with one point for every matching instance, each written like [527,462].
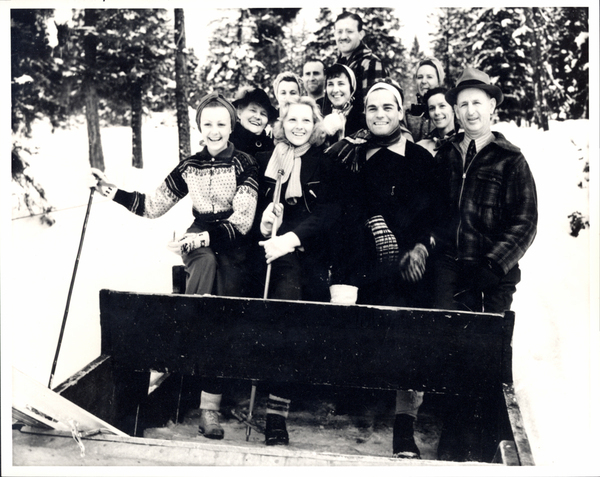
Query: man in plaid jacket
[367,67]
[494,214]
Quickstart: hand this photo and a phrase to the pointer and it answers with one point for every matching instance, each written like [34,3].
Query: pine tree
[181,92]
[249,47]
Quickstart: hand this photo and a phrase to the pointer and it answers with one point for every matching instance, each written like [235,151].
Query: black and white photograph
[265,238]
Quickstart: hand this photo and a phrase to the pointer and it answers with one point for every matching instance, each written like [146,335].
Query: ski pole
[276,197]
[64,322]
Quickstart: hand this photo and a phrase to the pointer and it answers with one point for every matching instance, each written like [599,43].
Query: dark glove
[385,242]
[488,275]
[412,265]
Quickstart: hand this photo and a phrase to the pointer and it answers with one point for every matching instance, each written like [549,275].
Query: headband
[218,98]
[387,87]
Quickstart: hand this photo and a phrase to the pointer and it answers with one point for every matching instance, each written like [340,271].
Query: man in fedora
[492,215]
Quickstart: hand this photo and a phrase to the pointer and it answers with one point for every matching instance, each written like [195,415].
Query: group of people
[351,200]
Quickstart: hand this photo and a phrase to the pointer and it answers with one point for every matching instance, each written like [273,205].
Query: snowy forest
[117,66]
[116,89]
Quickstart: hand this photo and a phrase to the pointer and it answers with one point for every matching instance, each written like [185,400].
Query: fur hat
[258,96]
[473,78]
[437,64]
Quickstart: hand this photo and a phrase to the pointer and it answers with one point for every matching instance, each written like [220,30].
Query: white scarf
[288,158]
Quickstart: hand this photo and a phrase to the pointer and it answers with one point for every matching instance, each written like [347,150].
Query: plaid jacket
[223,190]
[493,204]
[367,67]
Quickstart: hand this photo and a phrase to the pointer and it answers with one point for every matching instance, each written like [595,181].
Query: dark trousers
[454,287]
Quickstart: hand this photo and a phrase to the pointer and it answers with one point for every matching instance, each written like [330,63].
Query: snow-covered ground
[555,339]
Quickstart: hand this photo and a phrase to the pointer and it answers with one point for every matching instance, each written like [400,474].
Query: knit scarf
[288,158]
[351,151]
[439,142]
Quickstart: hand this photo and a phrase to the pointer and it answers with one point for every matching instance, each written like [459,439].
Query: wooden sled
[437,351]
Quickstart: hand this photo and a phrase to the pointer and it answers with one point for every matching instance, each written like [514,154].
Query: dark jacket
[250,143]
[299,218]
[402,189]
[492,205]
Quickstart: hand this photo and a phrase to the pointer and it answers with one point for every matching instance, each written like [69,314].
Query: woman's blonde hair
[318,135]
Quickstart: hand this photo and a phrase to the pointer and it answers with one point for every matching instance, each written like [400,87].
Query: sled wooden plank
[517,426]
[41,404]
[304,342]
[33,447]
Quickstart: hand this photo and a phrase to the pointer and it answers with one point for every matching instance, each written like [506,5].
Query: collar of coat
[499,140]
[361,52]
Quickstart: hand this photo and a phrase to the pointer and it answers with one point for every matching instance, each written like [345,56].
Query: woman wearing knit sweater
[222,183]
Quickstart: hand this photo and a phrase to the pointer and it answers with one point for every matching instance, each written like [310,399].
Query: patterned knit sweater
[223,190]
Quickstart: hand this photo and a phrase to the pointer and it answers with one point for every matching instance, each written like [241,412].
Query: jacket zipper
[462,187]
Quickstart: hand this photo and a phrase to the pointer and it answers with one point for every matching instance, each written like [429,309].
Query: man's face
[347,36]
[215,126]
[474,109]
[313,75]
[383,113]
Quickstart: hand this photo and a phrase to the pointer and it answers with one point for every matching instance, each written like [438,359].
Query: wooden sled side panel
[316,343]
[45,408]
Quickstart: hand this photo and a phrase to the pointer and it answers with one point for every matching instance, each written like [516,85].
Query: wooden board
[303,342]
[42,406]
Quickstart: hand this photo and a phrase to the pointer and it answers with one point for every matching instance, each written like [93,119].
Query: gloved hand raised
[412,264]
[273,213]
[98,181]
[279,246]
[333,123]
[189,242]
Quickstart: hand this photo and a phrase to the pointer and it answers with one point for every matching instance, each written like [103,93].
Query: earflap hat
[473,78]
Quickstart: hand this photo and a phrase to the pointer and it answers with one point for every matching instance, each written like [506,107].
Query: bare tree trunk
[539,104]
[137,159]
[96,156]
[181,88]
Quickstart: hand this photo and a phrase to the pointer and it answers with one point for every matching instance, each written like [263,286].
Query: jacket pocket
[487,188]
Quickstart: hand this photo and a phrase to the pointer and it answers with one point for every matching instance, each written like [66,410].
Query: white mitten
[269,217]
[189,242]
[279,246]
[98,180]
[332,123]
[343,294]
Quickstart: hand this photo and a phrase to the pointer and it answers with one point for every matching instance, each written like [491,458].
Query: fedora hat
[258,96]
[472,78]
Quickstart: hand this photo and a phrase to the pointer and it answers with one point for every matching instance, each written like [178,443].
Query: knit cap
[219,98]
